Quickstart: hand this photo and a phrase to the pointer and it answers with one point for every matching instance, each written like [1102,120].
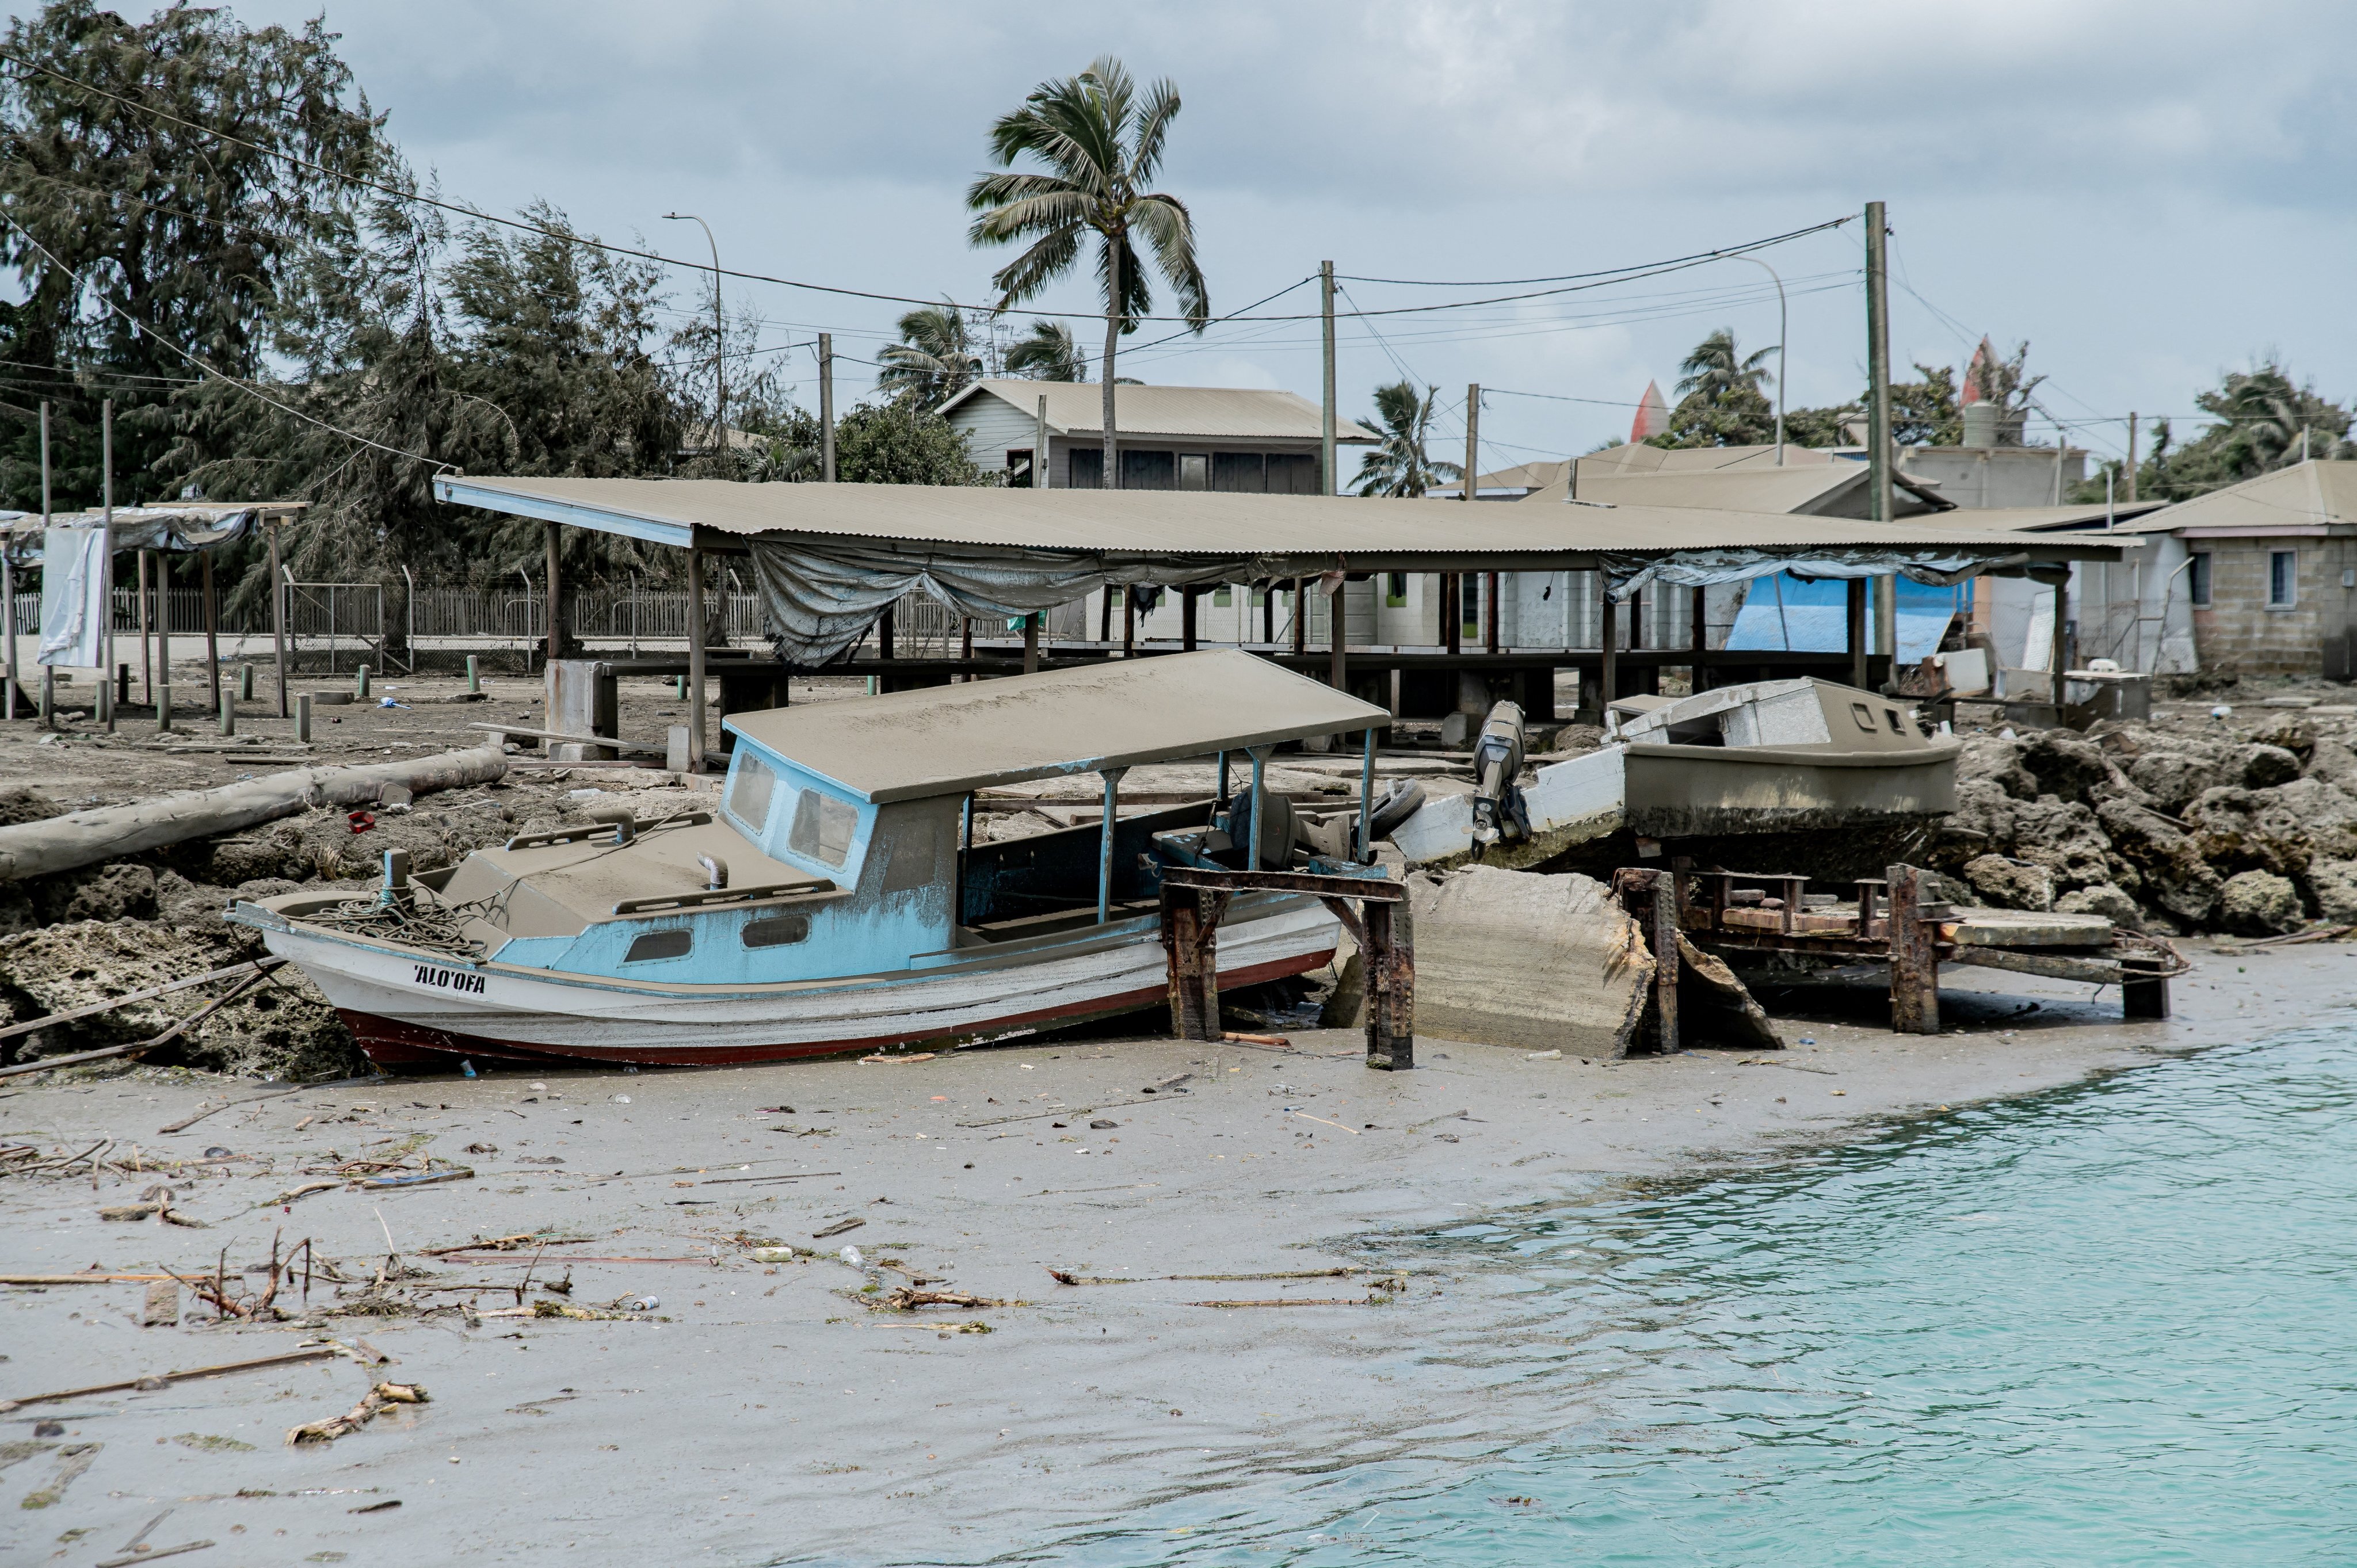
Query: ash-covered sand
[770,1413]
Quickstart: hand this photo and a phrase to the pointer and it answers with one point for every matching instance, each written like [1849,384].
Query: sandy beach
[776,1413]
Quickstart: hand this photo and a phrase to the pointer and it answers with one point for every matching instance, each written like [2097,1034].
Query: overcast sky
[2150,193]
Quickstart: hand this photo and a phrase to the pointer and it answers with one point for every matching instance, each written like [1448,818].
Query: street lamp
[720,376]
[1782,370]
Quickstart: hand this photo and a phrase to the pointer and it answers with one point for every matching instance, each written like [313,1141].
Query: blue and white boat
[835,901]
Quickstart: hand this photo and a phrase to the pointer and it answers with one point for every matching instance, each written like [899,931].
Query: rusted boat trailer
[1725,912]
[1193,899]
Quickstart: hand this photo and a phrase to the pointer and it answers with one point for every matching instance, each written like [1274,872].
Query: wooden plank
[2052,966]
[605,740]
[1369,889]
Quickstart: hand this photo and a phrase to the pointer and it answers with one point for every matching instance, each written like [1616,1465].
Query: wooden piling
[1914,956]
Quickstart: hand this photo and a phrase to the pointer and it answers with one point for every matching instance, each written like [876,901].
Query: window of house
[2197,579]
[1084,468]
[1148,471]
[1394,590]
[1018,468]
[823,827]
[751,784]
[2283,578]
[1223,596]
[1194,470]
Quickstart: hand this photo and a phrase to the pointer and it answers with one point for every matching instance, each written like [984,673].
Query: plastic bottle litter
[643,1303]
[1544,1056]
[851,1255]
[621,1099]
[467,1067]
[1808,1040]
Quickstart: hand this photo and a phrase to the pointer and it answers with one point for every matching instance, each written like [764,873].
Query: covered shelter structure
[157,533]
[829,560]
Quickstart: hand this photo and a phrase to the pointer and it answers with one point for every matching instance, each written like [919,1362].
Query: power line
[1624,275]
[1697,257]
[137,329]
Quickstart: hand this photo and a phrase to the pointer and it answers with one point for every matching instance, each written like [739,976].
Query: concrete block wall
[2238,630]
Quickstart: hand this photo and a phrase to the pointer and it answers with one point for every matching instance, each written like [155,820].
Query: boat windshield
[751,788]
[824,827]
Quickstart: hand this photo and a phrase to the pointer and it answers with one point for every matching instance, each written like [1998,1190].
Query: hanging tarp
[1783,613]
[175,530]
[821,597]
[1631,574]
[73,599]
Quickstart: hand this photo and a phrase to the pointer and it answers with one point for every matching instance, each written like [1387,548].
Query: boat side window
[824,827]
[750,789]
[1892,715]
[653,945]
[776,931]
[1864,715]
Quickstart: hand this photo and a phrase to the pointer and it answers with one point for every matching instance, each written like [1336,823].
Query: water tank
[1980,423]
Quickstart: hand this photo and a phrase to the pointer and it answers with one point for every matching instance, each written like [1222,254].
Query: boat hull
[412,1010]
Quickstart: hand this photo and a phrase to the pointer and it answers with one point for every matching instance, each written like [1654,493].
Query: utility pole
[1326,440]
[106,505]
[2132,455]
[1472,434]
[719,338]
[826,406]
[1878,417]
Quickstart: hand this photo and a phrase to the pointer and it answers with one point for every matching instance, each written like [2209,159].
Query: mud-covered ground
[756,1411]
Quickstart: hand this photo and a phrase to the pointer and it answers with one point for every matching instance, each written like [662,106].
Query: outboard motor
[1497,808]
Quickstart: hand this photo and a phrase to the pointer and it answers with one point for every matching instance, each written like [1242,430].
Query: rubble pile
[2173,826]
[80,938]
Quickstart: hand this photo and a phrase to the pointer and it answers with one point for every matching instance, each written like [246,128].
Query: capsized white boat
[834,901]
[1766,756]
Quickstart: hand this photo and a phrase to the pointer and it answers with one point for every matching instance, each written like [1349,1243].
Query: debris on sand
[380,1398]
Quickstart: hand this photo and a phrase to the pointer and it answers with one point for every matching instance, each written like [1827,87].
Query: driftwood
[159,1380]
[85,838]
[360,1415]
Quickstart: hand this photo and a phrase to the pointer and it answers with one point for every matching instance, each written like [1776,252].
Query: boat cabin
[842,843]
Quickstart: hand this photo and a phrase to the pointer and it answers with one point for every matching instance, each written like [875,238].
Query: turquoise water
[2110,1325]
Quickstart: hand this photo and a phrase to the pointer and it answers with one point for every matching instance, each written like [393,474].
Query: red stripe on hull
[391,1044]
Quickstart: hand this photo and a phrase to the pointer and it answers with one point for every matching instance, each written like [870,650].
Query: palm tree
[1100,147]
[1714,370]
[932,359]
[1048,354]
[1398,467]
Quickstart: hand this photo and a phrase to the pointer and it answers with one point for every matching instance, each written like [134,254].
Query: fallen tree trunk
[110,833]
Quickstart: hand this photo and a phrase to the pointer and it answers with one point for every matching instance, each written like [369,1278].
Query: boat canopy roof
[947,740]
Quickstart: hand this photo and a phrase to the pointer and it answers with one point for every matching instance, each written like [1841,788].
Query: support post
[1452,612]
[2062,655]
[1031,643]
[1609,673]
[1040,448]
[278,617]
[695,737]
[146,631]
[163,633]
[1327,477]
[2132,479]
[884,633]
[1490,613]
[227,707]
[212,628]
[1260,755]
[1367,800]
[1187,619]
[826,407]
[1700,636]
[555,632]
[1886,621]
[302,717]
[1268,612]
[1914,956]
[1112,776]
[2143,997]
[1663,929]
[1190,946]
[1389,968]
[1338,667]
[1878,366]
[1128,623]
[1856,631]
[1300,616]
[106,511]
[8,615]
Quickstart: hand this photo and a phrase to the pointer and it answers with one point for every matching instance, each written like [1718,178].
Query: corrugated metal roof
[2302,496]
[946,740]
[1641,457]
[2043,519]
[1810,488]
[1240,413]
[1323,532]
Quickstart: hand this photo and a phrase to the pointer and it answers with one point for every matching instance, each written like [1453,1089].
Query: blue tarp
[1784,613]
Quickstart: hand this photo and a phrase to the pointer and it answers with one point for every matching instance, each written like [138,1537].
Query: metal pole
[1367,802]
[147,662]
[1877,365]
[1783,335]
[696,662]
[106,513]
[1104,843]
[555,616]
[826,406]
[719,335]
[2132,455]
[278,617]
[212,630]
[1326,438]
[162,632]
[1338,666]
[1259,754]
[1031,643]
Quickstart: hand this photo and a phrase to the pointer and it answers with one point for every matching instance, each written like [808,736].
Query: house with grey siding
[1171,438]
